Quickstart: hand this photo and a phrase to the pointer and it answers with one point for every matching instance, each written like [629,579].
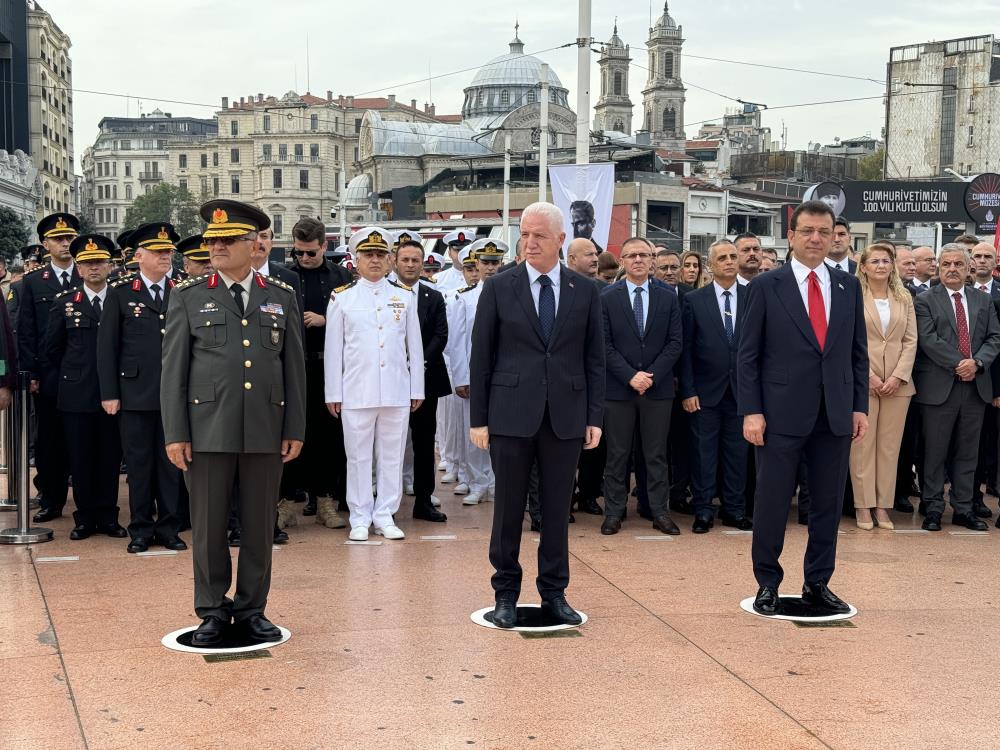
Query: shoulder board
[429,279]
[343,288]
[10,295]
[63,294]
[278,282]
[121,280]
[401,285]
[468,288]
[33,271]
[194,280]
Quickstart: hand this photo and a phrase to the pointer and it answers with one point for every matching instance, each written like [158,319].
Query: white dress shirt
[842,265]
[374,354]
[60,271]
[245,284]
[721,299]
[741,281]
[631,298]
[101,295]
[884,311]
[923,286]
[265,269]
[965,306]
[162,283]
[802,279]
[536,288]
[987,287]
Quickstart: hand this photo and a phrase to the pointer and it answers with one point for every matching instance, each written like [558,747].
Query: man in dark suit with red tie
[803,394]
[536,393]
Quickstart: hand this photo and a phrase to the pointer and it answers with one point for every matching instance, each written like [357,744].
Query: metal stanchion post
[9,500]
[18,455]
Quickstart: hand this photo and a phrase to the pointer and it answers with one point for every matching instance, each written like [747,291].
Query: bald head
[581,256]
[906,264]
[926,266]
[984,261]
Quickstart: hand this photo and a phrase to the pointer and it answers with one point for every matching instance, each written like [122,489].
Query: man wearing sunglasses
[321,469]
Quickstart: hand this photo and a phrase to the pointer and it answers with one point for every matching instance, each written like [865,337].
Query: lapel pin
[840,285]
[571,285]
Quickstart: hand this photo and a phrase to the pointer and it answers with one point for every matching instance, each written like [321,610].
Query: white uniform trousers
[380,431]
[442,430]
[457,438]
[408,460]
[477,461]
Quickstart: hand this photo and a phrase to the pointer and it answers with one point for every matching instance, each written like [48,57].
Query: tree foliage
[167,203]
[870,167]
[14,234]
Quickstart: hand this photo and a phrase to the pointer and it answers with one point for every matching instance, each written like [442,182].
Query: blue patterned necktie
[546,306]
[637,311]
[727,318]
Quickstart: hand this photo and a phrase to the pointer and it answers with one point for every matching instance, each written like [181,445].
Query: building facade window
[949,97]
[182,161]
[234,156]
[234,184]
[215,186]
[298,152]
[215,158]
[267,123]
[504,98]
[303,179]
[668,64]
[278,223]
[266,151]
[314,122]
[314,152]
[234,127]
[128,191]
[276,178]
[618,83]
[669,121]
[357,124]
[182,184]
[204,161]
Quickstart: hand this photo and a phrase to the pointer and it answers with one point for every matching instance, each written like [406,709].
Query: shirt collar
[90,295]
[60,271]
[719,290]
[245,283]
[632,287]
[742,281]
[372,284]
[265,269]
[988,285]
[534,273]
[162,283]
[802,272]
[950,292]
[845,264]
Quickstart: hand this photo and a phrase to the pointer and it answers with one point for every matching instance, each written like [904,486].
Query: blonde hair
[700,281]
[896,288]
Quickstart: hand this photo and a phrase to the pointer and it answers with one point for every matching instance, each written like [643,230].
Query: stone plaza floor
[383,653]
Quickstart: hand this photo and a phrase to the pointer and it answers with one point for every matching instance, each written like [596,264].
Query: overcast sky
[200,50]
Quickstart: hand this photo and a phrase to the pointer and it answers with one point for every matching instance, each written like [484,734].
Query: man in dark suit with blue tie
[642,341]
[803,394]
[712,318]
[536,394]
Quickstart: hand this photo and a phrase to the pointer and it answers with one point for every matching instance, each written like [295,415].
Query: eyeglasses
[637,256]
[310,253]
[228,241]
[824,233]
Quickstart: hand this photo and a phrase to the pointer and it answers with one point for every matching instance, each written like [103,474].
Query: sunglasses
[310,253]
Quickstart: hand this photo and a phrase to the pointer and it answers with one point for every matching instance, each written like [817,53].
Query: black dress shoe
[210,632]
[505,613]
[766,602]
[234,538]
[611,525]
[138,545]
[979,510]
[682,505]
[932,522]
[45,515]
[280,536]
[572,518]
[310,506]
[922,508]
[968,521]
[803,519]
[702,524]
[991,491]
[423,510]
[175,543]
[818,595]
[590,505]
[80,532]
[260,628]
[666,525]
[903,505]
[114,530]
[536,524]
[558,609]
[737,522]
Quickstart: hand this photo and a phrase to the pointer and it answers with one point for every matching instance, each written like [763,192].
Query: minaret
[614,107]
[663,97]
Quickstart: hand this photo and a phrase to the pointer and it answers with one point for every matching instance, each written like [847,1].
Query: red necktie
[817,310]
[964,345]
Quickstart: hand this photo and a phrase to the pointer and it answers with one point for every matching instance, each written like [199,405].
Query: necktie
[817,310]
[237,290]
[637,311]
[65,280]
[837,266]
[982,288]
[97,306]
[155,289]
[546,306]
[727,318]
[964,345]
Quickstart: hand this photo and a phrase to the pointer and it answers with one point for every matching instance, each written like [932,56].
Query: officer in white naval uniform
[372,337]
[487,255]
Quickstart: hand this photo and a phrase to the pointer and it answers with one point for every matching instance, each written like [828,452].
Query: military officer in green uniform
[233,404]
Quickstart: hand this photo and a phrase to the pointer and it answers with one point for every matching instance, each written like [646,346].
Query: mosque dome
[665,21]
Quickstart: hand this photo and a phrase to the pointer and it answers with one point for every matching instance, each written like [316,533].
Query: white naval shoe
[489,495]
[359,534]
[442,465]
[390,532]
[461,489]
[435,502]
[408,489]
[473,498]
[449,477]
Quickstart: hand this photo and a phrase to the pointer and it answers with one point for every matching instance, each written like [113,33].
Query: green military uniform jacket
[232,383]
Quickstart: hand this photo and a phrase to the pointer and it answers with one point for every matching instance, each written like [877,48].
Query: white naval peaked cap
[433,260]
[489,248]
[465,255]
[370,238]
[459,236]
[407,235]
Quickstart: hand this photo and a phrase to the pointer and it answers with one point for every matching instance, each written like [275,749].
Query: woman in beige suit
[892,346]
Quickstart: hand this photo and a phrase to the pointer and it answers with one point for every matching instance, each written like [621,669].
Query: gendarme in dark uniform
[37,294]
[92,438]
[233,404]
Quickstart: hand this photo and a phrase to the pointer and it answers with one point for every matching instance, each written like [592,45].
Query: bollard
[23,533]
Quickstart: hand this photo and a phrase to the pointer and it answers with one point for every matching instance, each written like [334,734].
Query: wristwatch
[979,365]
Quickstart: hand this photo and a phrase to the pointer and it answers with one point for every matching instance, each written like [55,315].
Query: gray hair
[954,247]
[718,243]
[548,211]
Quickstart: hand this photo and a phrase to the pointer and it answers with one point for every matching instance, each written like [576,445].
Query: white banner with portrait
[584,194]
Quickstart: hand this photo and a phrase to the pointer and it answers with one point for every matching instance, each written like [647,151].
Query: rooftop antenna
[430,82]
[308,81]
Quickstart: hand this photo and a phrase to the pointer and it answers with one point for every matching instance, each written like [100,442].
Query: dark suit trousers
[679,450]
[986,467]
[321,468]
[910,452]
[423,426]
[210,479]
[826,457]
[590,470]
[718,434]
[512,461]
[95,455]
[153,482]
[953,425]
[652,416]
[51,454]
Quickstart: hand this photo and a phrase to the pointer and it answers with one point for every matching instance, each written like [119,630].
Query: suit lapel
[943,299]
[522,290]
[654,303]
[975,304]
[715,314]
[838,308]
[896,314]
[567,296]
[788,295]
[872,316]
[741,299]
[628,309]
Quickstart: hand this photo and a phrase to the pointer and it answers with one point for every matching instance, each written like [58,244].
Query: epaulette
[63,294]
[192,281]
[468,288]
[401,285]
[34,271]
[121,280]
[345,287]
[279,282]
[429,279]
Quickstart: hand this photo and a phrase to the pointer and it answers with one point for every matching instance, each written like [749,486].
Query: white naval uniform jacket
[374,355]
[449,280]
[461,318]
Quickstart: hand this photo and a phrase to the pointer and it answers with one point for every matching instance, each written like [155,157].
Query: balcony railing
[150,175]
